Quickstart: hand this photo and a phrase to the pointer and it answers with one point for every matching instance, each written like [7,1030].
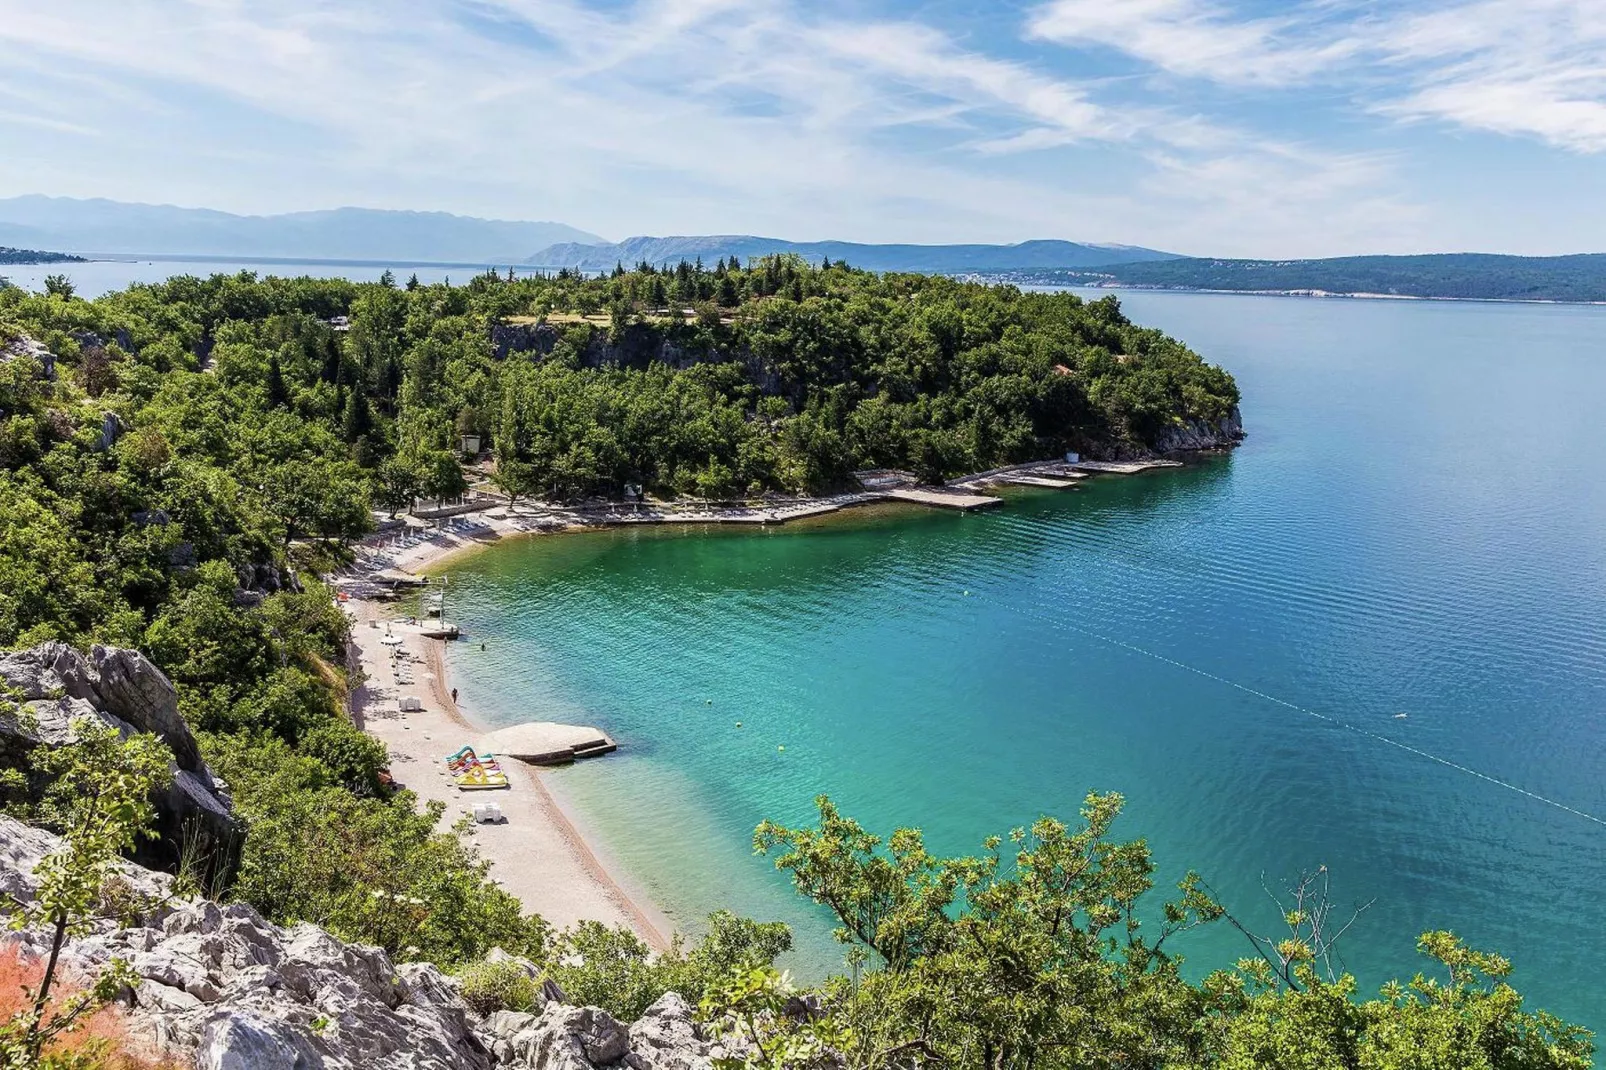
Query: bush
[613,969]
[501,985]
[350,756]
[373,870]
[98,1042]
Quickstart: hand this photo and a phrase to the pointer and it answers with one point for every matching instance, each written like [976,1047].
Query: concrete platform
[1038,481]
[546,742]
[943,498]
[1124,468]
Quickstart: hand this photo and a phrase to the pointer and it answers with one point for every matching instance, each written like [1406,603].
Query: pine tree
[357,420]
[278,396]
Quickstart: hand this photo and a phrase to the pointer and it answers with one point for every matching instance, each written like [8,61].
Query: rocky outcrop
[24,346]
[1202,434]
[224,989]
[56,685]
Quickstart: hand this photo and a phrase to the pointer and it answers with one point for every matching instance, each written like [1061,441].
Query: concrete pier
[1123,468]
[943,498]
[546,742]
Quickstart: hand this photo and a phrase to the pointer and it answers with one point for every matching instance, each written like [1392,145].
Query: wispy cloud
[1533,68]
[782,116]
[1199,39]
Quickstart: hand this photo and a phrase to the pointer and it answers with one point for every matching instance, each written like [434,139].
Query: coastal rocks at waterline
[224,989]
[1202,434]
[55,685]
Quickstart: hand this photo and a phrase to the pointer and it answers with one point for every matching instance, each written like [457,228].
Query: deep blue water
[1417,525]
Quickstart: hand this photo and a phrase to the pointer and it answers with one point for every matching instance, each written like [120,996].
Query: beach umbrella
[391,640]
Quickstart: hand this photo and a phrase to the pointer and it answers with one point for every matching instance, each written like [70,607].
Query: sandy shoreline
[538,854]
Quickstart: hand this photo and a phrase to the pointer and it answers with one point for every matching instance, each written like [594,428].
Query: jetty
[1049,475]
[1123,468]
[942,497]
[547,742]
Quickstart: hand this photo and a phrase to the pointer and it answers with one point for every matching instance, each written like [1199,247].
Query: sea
[101,274]
[1369,645]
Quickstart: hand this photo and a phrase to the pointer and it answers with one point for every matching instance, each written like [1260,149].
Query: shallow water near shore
[1416,525]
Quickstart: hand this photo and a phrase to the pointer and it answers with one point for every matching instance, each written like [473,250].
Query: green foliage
[501,985]
[100,802]
[368,868]
[1038,960]
[756,1009]
[614,969]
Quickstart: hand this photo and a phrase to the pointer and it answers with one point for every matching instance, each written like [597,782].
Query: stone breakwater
[224,989]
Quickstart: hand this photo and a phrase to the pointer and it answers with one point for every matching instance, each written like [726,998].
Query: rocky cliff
[52,685]
[224,989]
[1203,435]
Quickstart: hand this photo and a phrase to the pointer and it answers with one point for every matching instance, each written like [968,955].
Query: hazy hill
[926,258]
[102,226]
[1473,276]
[34,256]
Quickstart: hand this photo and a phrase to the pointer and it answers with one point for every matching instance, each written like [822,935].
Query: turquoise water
[1416,525]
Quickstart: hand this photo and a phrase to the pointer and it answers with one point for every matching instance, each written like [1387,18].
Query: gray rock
[667,1037]
[242,1040]
[123,689]
[224,989]
[129,687]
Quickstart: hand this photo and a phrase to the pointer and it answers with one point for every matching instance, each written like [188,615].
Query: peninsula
[191,478]
[9,255]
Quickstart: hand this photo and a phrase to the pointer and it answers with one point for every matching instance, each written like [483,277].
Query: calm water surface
[1416,525]
[96,277]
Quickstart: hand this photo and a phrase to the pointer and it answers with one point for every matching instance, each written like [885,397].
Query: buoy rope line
[1336,721]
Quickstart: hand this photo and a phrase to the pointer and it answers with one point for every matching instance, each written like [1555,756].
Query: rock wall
[56,685]
[224,989]
[1202,435]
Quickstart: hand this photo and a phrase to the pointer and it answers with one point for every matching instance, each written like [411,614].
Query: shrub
[502,985]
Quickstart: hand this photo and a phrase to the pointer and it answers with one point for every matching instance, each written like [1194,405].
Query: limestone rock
[123,689]
[224,989]
[667,1037]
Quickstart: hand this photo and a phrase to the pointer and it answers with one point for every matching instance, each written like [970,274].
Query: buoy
[780,748]
[967,594]
[738,724]
[708,702]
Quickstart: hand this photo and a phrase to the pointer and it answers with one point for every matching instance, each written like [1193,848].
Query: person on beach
[454,696]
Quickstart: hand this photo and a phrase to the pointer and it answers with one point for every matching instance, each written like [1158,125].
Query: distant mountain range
[1468,276]
[1028,255]
[102,226]
[89,227]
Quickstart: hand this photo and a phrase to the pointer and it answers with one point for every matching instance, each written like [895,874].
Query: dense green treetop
[1465,276]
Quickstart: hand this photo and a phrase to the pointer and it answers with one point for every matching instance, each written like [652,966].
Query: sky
[1206,127]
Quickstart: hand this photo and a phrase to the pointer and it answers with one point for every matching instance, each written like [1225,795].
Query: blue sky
[1209,127]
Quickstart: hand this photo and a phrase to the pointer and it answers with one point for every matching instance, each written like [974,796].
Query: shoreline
[542,854]
[538,854]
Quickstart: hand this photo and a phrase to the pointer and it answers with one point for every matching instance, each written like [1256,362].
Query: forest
[180,462]
[1459,276]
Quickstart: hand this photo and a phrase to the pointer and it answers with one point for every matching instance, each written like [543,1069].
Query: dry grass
[98,1041]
